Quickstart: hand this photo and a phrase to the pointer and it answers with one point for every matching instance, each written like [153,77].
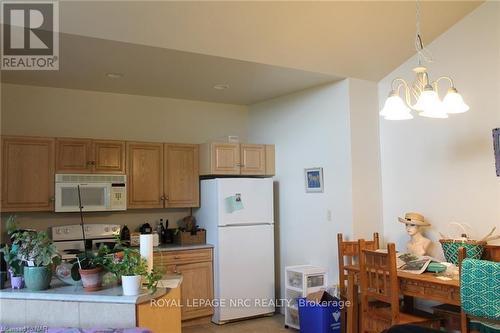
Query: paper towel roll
[146,249]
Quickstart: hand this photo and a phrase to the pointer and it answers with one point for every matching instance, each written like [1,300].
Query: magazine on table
[410,263]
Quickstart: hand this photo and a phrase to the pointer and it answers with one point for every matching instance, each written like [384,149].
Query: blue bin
[323,317]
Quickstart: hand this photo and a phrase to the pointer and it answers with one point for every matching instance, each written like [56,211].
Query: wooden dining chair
[348,254]
[479,294]
[379,281]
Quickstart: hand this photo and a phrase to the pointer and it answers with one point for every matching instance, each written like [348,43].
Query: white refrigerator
[238,216]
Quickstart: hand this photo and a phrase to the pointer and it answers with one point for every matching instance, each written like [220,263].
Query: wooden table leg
[352,309]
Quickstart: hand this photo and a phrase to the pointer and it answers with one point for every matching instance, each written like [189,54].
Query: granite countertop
[177,247]
[63,292]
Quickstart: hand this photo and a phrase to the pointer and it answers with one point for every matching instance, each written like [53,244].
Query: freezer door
[245,200]
[245,271]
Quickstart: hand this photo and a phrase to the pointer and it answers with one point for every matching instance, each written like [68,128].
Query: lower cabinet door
[196,289]
[162,314]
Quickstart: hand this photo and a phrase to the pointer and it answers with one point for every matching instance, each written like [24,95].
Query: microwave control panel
[118,197]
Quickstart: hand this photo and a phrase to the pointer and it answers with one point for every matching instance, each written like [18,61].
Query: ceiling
[154,71]
[261,49]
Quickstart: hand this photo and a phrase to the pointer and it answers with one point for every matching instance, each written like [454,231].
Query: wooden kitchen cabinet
[162,175]
[181,175]
[161,315]
[88,156]
[197,284]
[218,158]
[253,159]
[109,156]
[27,174]
[196,268]
[73,155]
[145,175]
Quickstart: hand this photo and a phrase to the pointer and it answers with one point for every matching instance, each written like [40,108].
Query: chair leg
[464,322]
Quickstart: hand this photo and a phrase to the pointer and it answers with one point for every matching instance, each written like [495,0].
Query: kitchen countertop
[177,247]
[63,292]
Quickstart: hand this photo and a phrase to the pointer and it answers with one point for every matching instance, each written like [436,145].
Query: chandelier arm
[435,83]
[402,83]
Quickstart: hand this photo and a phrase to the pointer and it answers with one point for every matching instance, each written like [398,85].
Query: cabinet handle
[52,199]
[177,257]
[162,198]
[166,198]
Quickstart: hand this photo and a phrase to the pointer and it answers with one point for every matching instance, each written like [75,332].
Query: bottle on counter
[161,232]
[125,235]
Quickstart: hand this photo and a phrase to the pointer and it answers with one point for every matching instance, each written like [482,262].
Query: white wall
[445,168]
[312,128]
[365,155]
[43,111]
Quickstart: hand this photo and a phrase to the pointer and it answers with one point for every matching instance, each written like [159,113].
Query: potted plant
[91,267]
[132,268]
[38,254]
[15,266]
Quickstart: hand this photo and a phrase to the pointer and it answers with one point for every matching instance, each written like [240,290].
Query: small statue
[418,244]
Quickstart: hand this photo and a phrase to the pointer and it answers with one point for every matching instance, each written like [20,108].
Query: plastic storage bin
[319,318]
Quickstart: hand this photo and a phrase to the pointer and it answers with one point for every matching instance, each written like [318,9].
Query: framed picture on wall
[314,179]
[496,148]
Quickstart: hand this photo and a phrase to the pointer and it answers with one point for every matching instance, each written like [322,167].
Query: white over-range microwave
[98,193]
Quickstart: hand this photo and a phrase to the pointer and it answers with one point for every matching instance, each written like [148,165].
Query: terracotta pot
[91,278]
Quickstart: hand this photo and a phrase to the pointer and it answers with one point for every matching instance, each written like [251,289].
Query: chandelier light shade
[395,108]
[422,95]
[454,103]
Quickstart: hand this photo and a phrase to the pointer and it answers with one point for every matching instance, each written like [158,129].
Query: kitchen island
[71,306]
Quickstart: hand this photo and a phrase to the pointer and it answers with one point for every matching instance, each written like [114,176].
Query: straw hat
[413,218]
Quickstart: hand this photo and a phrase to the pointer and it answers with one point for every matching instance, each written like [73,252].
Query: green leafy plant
[128,262]
[12,258]
[89,259]
[35,248]
[11,224]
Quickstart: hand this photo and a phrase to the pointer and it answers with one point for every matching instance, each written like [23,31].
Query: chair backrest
[349,252]
[480,288]
[378,277]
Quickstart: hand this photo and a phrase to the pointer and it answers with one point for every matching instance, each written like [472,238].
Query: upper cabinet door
[109,156]
[225,158]
[27,174]
[74,156]
[181,175]
[145,175]
[253,159]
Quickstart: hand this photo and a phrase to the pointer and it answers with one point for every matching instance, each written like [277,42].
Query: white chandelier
[423,91]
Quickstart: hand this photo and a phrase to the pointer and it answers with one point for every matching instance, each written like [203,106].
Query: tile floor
[261,325]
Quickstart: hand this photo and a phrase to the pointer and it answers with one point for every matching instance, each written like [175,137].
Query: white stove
[68,239]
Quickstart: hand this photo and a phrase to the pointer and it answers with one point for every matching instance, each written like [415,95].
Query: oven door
[95,197]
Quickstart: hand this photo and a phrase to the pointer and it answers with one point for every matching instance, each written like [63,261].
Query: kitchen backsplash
[132,218]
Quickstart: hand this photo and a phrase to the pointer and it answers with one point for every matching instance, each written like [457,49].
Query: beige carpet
[261,325]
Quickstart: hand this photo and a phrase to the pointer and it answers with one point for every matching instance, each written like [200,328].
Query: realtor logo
[30,35]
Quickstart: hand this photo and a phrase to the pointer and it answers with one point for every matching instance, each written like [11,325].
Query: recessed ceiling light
[221,86]
[114,75]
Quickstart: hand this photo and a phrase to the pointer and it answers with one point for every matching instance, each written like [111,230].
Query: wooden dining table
[426,286]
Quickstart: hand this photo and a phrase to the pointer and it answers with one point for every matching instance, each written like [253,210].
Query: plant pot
[16,282]
[131,285]
[91,278]
[37,278]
